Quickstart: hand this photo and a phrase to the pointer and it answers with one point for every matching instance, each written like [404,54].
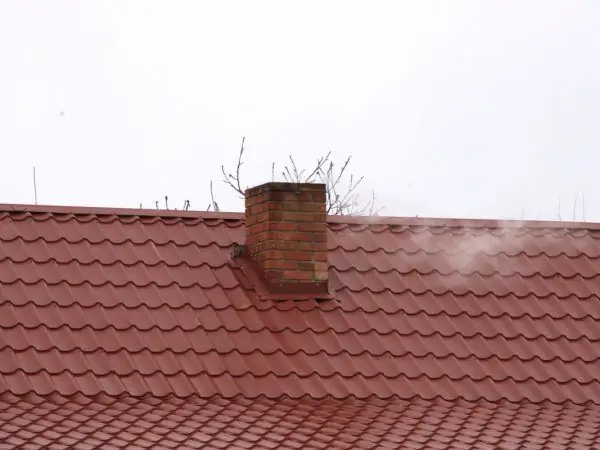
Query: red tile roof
[174,423]
[121,325]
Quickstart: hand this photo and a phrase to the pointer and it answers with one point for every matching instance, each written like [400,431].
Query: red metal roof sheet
[136,303]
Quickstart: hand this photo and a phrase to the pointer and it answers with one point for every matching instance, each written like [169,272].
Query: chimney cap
[285,187]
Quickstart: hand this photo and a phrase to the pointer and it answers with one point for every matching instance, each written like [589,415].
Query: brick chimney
[286,236]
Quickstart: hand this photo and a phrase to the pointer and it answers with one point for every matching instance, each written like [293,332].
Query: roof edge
[460,223]
[111,211]
[342,220]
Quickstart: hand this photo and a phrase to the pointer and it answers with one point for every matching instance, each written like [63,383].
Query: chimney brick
[286,235]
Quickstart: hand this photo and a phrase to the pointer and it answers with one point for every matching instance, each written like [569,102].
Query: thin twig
[558,215]
[319,167]
[234,181]
[324,170]
[348,201]
[372,210]
[34,187]
[213,203]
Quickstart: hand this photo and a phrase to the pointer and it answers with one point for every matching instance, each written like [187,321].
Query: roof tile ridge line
[418,229]
[100,393]
[305,330]
[112,242]
[439,251]
[457,294]
[131,283]
[287,306]
[466,293]
[453,272]
[291,373]
[465,273]
[117,262]
[273,305]
[128,220]
[436,271]
[271,400]
[357,248]
[104,398]
[438,222]
[469,292]
[128,283]
[433,400]
[170,307]
[52,210]
[279,351]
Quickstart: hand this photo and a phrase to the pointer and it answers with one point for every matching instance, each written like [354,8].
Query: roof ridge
[116,211]
[448,222]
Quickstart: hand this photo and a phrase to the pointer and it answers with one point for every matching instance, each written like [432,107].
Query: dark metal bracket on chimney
[238,250]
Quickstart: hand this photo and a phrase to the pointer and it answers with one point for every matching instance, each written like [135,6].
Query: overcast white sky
[462,108]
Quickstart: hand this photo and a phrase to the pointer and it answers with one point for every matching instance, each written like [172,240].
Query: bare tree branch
[342,197]
[232,180]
